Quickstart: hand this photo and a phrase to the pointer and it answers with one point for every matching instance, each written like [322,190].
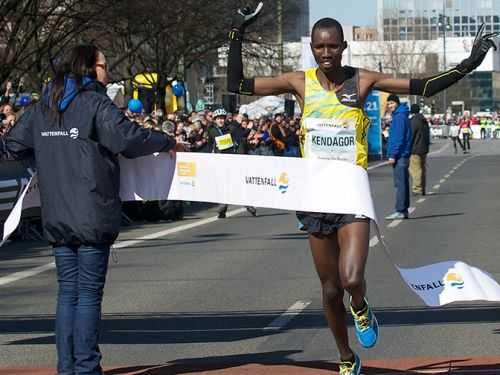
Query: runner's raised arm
[236,81]
[432,85]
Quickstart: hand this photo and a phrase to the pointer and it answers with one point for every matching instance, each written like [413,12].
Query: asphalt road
[206,294]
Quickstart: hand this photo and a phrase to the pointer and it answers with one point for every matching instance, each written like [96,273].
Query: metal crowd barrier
[12,174]
[439,131]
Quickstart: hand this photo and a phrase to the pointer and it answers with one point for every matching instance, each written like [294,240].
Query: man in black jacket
[75,134]
[419,150]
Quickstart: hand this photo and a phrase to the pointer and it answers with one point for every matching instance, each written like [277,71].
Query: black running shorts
[326,224]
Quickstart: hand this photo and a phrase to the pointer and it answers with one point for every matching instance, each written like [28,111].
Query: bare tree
[400,58]
[33,32]
[164,37]
[169,37]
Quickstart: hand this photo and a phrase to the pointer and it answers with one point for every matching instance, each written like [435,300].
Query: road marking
[49,266]
[411,210]
[177,229]
[24,274]
[421,200]
[447,175]
[442,181]
[386,162]
[394,223]
[285,318]
[180,330]
[440,150]
[378,165]
[435,187]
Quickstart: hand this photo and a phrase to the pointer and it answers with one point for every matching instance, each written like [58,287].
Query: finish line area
[239,295]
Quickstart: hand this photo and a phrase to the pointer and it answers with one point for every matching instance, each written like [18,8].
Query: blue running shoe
[366,326]
[350,368]
[300,226]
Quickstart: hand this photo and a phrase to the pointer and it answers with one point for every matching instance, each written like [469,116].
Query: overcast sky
[349,12]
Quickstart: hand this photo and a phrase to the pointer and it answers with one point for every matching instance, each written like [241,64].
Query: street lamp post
[279,6]
[444,25]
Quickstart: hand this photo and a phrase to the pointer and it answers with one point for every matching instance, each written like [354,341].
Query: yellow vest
[330,129]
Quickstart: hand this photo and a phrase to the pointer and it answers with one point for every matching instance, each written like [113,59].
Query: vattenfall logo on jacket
[281,182]
[73,133]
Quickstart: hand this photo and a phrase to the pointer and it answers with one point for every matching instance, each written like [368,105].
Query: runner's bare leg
[325,252]
[354,241]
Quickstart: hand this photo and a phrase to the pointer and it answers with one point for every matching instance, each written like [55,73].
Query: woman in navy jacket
[75,134]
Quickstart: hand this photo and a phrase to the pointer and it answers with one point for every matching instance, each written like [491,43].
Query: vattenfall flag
[287,184]
[442,283]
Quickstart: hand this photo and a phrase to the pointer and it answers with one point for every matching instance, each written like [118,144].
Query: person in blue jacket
[398,152]
[75,134]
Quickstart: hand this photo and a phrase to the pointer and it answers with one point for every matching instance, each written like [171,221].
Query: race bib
[224,142]
[332,139]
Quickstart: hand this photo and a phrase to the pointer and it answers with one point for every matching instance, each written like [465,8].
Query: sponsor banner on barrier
[32,198]
[14,217]
[146,178]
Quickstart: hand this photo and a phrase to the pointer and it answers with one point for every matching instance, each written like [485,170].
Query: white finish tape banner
[282,183]
[262,181]
[275,182]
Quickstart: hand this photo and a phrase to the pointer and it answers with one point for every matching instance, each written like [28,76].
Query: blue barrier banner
[372,110]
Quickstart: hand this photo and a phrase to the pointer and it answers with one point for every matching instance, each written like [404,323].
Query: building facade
[207,79]
[365,33]
[296,20]
[426,19]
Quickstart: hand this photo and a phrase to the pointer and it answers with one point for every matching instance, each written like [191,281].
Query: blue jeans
[81,273]
[402,184]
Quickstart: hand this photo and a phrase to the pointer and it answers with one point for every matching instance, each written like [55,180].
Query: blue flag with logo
[372,110]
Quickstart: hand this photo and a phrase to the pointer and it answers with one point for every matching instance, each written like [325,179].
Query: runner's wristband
[236,82]
[432,85]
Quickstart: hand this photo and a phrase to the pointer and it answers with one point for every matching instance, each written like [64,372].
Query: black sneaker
[221,215]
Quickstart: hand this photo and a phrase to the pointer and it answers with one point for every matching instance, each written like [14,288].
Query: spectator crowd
[268,135]
[273,135]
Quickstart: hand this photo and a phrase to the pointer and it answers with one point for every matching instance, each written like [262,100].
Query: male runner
[336,94]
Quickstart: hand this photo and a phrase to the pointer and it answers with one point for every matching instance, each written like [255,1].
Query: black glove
[480,47]
[245,17]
